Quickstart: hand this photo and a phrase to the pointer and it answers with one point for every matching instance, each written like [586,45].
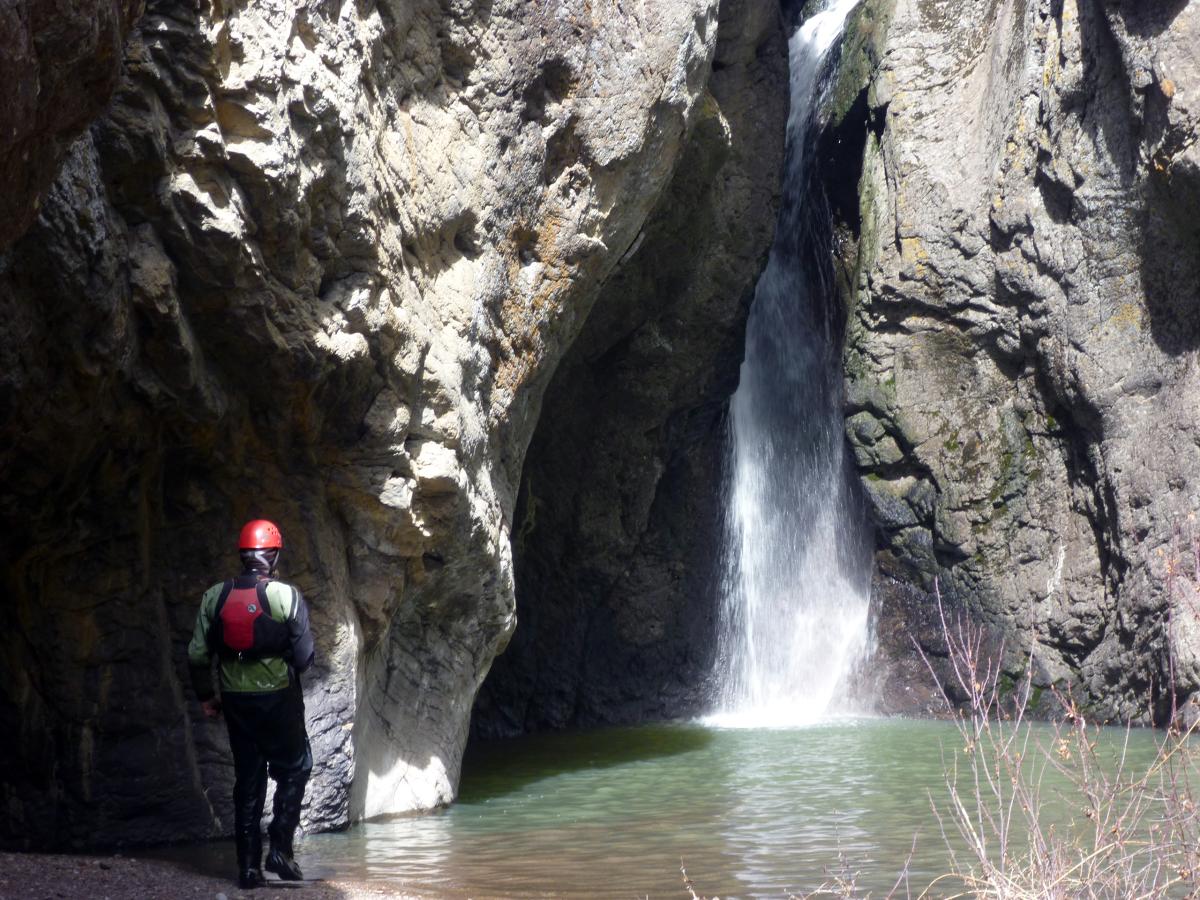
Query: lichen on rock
[1023,326]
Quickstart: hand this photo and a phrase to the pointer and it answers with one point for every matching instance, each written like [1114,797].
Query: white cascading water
[797,571]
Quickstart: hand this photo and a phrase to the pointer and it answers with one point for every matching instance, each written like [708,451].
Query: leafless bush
[1130,832]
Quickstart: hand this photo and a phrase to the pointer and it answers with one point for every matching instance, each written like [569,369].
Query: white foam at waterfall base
[796,587]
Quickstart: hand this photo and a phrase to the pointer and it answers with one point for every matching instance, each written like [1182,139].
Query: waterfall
[796,584]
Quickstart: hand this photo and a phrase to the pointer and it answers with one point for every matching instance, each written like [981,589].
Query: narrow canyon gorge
[457,293]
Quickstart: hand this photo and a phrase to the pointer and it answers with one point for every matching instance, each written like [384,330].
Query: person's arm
[300,634]
[199,651]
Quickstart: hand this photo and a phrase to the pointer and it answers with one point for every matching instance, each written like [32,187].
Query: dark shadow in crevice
[1081,429]
[1170,252]
[1057,198]
[839,159]
[1146,18]
[1105,102]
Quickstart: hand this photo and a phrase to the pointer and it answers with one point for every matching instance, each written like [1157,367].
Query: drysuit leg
[267,735]
[249,791]
[290,775]
[289,760]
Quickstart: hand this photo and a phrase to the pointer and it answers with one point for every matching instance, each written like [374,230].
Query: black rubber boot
[250,863]
[290,778]
[280,861]
[248,796]
[249,879]
[249,857]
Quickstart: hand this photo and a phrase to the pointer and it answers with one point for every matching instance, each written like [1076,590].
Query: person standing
[257,626]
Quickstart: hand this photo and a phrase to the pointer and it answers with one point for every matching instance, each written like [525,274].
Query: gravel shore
[36,876]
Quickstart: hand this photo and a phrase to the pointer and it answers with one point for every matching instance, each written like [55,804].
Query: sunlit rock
[315,263]
[1022,265]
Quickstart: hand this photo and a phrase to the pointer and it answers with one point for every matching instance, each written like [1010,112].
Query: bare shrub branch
[1130,834]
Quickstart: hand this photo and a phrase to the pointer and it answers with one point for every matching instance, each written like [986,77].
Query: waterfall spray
[797,574]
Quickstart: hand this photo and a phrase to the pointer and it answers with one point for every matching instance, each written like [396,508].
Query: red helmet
[260,535]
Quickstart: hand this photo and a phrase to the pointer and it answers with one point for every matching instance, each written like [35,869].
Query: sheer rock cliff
[615,571]
[319,263]
[1020,260]
[59,64]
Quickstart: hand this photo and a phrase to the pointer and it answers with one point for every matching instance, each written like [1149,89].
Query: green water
[751,813]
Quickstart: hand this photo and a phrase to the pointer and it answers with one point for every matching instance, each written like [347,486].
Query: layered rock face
[59,64]
[618,520]
[1023,276]
[318,264]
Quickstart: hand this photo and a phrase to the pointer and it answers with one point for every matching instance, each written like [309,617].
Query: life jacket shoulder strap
[286,607]
[247,581]
[265,598]
[214,627]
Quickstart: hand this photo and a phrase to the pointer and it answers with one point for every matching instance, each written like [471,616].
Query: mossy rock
[861,53]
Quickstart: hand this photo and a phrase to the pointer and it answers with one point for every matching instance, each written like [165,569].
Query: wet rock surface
[618,521]
[319,264]
[1022,274]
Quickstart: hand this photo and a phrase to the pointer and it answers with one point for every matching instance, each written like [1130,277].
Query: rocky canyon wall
[1021,267]
[319,262]
[618,519]
[59,64]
